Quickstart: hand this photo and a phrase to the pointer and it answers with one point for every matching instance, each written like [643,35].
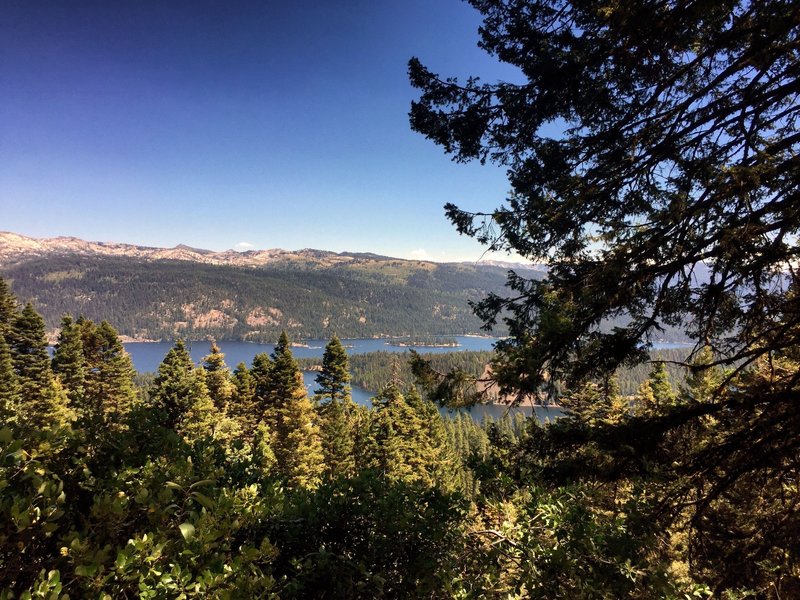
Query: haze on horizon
[271,125]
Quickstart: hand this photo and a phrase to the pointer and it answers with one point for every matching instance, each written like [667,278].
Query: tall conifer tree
[69,363]
[9,386]
[218,378]
[334,378]
[43,405]
[180,394]
[242,406]
[109,388]
[292,420]
[286,380]
[261,375]
[335,424]
[8,309]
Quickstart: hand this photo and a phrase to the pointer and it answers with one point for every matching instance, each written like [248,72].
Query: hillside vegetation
[165,299]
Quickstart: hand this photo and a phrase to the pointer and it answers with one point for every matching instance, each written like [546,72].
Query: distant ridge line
[15,247]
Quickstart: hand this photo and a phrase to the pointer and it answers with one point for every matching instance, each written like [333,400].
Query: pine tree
[408,441]
[69,362]
[180,395]
[298,445]
[334,379]
[663,394]
[336,427]
[110,378]
[286,380]
[292,420]
[242,406]
[198,421]
[704,377]
[218,378]
[29,352]
[261,375]
[338,440]
[9,386]
[645,400]
[41,405]
[595,402]
[435,458]
[8,310]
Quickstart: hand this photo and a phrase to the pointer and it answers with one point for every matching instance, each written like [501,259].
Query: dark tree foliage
[669,193]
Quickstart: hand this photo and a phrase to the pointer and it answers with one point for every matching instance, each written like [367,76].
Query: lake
[147,356]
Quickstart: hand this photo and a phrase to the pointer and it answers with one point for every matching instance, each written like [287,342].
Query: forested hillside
[167,299]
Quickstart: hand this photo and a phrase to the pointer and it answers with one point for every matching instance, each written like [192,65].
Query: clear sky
[224,124]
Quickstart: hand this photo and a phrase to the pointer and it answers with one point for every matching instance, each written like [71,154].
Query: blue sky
[265,124]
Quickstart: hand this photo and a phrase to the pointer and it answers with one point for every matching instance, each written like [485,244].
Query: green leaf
[203,500]
[5,435]
[201,483]
[187,531]
[173,486]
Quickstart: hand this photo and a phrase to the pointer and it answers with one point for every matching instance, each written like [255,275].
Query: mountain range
[164,293]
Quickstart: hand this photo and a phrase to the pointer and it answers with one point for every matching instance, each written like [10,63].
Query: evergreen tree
[9,386]
[242,406]
[8,310]
[704,378]
[334,378]
[334,389]
[218,379]
[594,403]
[286,380]
[261,375]
[436,456]
[298,445]
[663,393]
[29,352]
[338,441]
[645,400]
[180,395]
[199,420]
[408,441]
[41,405]
[69,362]
[291,418]
[110,378]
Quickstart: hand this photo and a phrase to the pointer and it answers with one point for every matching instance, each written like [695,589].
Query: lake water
[148,355]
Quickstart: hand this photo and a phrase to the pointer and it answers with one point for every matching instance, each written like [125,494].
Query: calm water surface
[148,355]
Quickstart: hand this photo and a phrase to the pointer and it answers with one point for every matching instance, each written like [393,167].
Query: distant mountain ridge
[165,293]
[15,247]
[152,293]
